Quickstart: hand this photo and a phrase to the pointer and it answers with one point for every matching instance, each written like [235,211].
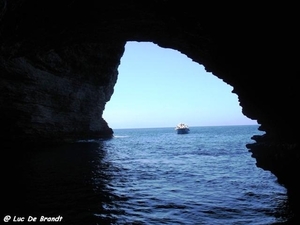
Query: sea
[145,176]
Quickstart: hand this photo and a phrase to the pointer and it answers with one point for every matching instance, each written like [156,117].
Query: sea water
[148,176]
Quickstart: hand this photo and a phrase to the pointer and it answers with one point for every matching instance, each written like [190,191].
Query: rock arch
[59,61]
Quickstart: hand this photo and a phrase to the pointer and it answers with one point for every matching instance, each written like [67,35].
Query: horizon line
[189,126]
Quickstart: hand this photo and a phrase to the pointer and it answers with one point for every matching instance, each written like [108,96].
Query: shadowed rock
[59,60]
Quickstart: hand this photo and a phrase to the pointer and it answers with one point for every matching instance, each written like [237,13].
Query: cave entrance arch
[140,92]
[160,87]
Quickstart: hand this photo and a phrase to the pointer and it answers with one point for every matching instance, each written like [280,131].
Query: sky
[161,87]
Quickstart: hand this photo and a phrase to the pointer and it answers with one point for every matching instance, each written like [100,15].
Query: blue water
[151,176]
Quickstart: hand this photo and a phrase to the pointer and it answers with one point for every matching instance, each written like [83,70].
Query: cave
[59,64]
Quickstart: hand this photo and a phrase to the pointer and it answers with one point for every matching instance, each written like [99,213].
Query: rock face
[58,95]
[59,60]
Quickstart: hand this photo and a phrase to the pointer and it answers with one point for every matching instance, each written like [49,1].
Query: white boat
[182,128]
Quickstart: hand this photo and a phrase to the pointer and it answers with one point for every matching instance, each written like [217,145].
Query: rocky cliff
[59,60]
[58,95]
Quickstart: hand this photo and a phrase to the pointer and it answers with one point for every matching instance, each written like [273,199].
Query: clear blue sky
[159,87]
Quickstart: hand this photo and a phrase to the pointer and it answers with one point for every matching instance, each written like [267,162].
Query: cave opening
[160,87]
[156,89]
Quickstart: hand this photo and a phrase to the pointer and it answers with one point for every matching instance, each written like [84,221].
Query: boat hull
[183,131]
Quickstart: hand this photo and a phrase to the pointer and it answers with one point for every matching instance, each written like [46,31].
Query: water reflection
[71,181]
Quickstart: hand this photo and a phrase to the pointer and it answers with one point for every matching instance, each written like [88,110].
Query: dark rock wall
[59,62]
[58,95]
